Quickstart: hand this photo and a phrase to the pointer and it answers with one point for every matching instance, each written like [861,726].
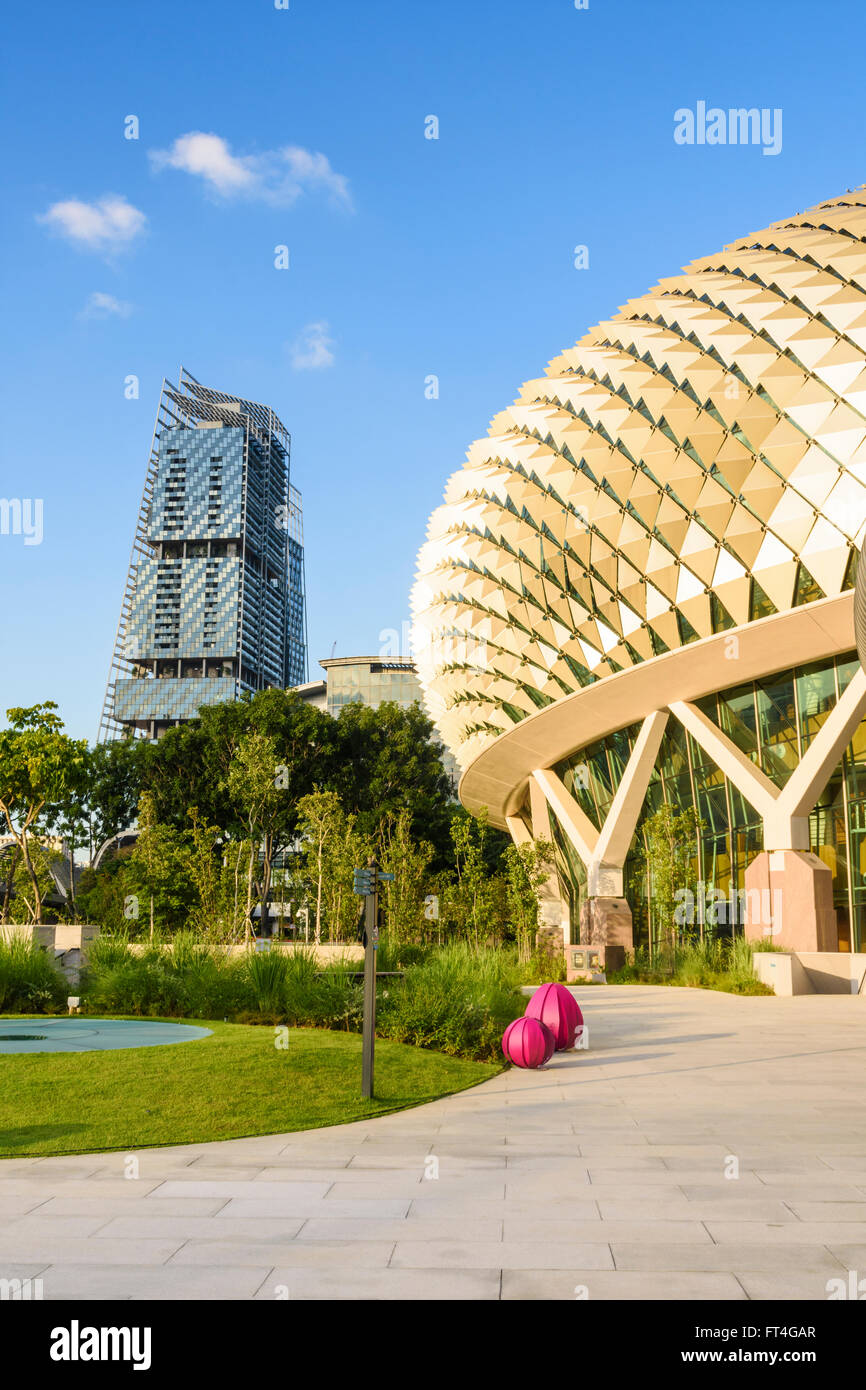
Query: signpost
[366,885]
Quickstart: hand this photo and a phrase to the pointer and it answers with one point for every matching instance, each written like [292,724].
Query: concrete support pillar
[555,923]
[789,891]
[607,923]
[605,917]
[555,906]
[789,901]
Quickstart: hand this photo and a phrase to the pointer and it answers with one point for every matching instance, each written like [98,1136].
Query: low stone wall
[66,941]
[811,972]
[327,953]
[69,942]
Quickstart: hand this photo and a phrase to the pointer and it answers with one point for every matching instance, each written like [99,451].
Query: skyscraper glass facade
[214,603]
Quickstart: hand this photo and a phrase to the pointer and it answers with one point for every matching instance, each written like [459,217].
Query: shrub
[267,972]
[107,950]
[454,999]
[30,982]
[458,1001]
[138,985]
[714,963]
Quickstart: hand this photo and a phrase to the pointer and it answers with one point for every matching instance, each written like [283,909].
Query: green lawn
[232,1084]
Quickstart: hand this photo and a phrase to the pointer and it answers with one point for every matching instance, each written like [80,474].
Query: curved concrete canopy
[497,778]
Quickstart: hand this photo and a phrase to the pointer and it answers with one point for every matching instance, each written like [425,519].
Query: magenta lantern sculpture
[556,1006]
[528,1043]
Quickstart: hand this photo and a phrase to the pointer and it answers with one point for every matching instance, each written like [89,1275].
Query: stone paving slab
[505,1254]
[425,1285]
[246,1250]
[603,1285]
[132,1281]
[606,1175]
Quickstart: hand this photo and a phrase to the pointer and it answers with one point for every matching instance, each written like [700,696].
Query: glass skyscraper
[214,603]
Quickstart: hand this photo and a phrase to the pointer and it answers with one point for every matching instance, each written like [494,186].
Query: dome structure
[639,592]
[694,463]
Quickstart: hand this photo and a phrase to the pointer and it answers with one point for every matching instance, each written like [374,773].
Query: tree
[103,894]
[527,869]
[116,778]
[387,761]
[473,896]
[320,819]
[159,871]
[409,862]
[255,784]
[40,768]
[22,904]
[346,850]
[670,849]
[215,867]
[191,764]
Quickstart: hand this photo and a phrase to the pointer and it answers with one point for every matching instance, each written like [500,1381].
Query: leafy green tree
[387,761]
[103,894]
[347,849]
[217,867]
[160,883]
[409,862]
[116,778]
[472,901]
[191,764]
[40,767]
[22,905]
[10,861]
[256,785]
[527,869]
[670,852]
[321,822]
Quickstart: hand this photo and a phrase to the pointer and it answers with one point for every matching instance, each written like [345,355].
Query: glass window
[816,696]
[777,725]
[738,719]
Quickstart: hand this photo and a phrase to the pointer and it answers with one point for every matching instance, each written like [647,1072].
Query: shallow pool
[92,1034]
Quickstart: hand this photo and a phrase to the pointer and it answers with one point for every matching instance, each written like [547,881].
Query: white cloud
[210,157]
[314,169]
[313,348]
[105,306]
[106,225]
[276,176]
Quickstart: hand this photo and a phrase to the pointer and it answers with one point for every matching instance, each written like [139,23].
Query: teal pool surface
[91,1034]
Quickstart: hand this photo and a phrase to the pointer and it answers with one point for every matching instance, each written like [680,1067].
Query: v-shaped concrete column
[785,811]
[789,890]
[604,851]
[605,917]
[553,904]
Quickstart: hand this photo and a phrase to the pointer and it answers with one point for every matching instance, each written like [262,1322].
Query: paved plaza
[603,1176]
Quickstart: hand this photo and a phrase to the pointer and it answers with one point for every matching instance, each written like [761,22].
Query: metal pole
[371,932]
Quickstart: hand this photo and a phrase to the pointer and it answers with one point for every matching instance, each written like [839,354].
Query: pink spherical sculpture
[528,1043]
[556,1006]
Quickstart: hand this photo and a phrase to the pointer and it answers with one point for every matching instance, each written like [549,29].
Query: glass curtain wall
[772,721]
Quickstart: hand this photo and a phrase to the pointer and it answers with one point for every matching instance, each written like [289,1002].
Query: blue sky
[408,256]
